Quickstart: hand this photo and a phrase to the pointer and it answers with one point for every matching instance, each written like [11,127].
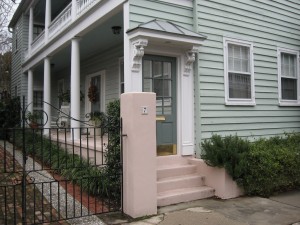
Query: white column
[30,91]
[30,35]
[47,18]
[74,9]
[47,95]
[75,87]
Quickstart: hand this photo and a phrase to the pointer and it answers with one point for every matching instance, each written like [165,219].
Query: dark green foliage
[10,115]
[226,152]
[263,167]
[10,112]
[112,184]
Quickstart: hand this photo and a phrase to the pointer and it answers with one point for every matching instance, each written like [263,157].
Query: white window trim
[238,101]
[283,102]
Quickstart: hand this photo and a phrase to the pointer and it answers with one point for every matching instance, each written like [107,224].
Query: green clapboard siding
[142,11]
[268,25]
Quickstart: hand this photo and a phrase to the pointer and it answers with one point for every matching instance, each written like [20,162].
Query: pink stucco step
[179,182]
[175,170]
[184,195]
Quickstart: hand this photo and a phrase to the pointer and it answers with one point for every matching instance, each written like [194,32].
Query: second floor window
[37,29]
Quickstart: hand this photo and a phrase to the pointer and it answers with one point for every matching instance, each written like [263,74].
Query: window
[288,77]
[238,72]
[37,29]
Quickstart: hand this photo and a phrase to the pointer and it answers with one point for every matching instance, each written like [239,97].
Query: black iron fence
[46,175]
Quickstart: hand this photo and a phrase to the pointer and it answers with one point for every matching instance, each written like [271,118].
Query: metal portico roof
[168,27]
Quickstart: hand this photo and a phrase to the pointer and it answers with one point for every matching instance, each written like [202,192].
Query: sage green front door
[159,76]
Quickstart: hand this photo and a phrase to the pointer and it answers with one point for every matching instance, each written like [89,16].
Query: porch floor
[90,147]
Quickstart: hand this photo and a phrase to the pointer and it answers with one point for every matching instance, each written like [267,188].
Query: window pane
[158,87]
[288,65]
[147,68]
[157,69]
[147,85]
[239,86]
[167,70]
[238,58]
[167,106]
[167,88]
[289,89]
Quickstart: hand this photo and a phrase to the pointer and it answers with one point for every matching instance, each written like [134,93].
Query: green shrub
[226,152]
[10,115]
[263,167]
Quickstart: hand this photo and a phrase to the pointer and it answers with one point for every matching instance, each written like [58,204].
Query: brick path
[38,209]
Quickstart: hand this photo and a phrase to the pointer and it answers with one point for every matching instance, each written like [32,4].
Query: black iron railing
[46,175]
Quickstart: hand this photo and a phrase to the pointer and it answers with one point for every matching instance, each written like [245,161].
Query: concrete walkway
[283,209]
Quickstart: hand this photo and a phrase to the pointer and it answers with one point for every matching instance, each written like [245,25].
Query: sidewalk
[283,209]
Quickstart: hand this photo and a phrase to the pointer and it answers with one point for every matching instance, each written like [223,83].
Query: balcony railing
[38,42]
[61,22]
[84,5]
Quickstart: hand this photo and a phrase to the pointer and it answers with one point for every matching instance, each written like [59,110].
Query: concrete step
[184,195]
[179,182]
[175,170]
[172,160]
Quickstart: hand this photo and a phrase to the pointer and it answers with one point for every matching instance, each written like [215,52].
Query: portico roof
[167,27]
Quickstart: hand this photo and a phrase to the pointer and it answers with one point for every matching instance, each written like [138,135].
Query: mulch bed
[38,209]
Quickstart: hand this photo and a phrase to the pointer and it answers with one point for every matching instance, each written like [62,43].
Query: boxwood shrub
[263,167]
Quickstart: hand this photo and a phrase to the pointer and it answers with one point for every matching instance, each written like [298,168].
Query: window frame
[238,101]
[286,102]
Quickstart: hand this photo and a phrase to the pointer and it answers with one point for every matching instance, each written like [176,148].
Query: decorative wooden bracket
[138,53]
[190,59]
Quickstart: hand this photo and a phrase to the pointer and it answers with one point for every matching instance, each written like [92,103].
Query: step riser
[180,183]
[184,197]
[172,172]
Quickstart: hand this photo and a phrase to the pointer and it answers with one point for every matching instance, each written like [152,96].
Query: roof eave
[22,7]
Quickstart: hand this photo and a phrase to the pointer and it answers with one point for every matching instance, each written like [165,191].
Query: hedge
[263,167]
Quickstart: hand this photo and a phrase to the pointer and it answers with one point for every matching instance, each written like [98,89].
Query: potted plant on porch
[34,118]
[64,97]
[98,119]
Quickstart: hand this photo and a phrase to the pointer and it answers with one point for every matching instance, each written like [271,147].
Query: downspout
[197,107]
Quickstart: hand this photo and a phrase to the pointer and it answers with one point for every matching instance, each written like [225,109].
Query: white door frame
[184,98]
[102,93]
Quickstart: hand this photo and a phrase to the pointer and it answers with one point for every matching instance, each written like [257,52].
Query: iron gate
[46,175]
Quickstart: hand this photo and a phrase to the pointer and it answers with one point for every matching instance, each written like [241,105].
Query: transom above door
[159,76]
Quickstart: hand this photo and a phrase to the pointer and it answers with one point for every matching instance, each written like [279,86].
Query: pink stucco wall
[218,179]
[139,154]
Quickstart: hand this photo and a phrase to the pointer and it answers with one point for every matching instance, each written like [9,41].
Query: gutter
[21,8]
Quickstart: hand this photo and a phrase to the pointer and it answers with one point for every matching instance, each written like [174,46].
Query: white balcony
[63,20]
[61,23]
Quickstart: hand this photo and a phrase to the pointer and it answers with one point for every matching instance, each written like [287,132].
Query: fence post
[138,112]
[24,215]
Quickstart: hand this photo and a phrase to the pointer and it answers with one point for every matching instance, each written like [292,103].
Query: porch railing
[38,42]
[84,5]
[61,21]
